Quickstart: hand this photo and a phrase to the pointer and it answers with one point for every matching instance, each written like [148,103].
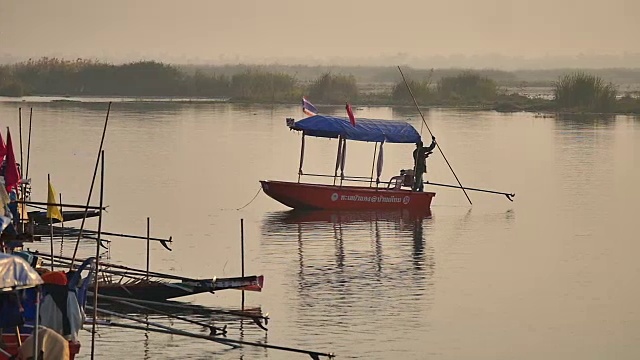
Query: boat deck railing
[359,179]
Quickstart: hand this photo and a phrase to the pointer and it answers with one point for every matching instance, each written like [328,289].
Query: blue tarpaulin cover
[365,130]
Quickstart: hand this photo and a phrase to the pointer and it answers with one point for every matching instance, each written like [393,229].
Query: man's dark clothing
[420,160]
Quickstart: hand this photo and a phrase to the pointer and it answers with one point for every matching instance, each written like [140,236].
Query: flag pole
[26,176]
[50,215]
[21,163]
[62,226]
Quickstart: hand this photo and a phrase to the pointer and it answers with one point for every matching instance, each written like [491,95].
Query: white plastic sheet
[16,273]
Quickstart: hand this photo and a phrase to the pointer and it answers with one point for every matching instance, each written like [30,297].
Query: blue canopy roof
[365,130]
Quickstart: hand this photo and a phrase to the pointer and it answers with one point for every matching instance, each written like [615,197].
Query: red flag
[3,148]
[350,113]
[11,175]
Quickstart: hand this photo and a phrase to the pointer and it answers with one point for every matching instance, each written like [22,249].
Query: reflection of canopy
[16,273]
[365,129]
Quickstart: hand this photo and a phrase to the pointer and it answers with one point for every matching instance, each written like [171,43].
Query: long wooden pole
[140,272]
[95,279]
[231,342]
[93,179]
[214,330]
[148,243]
[26,176]
[427,126]
[61,225]
[242,253]
[20,129]
[90,232]
[73,206]
[508,195]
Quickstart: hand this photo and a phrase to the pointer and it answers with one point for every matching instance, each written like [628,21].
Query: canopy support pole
[301,158]
[342,160]
[380,163]
[338,156]
[373,163]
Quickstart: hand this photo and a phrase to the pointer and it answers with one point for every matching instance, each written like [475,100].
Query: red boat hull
[333,197]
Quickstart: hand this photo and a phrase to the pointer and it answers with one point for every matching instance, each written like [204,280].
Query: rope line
[245,205]
[254,197]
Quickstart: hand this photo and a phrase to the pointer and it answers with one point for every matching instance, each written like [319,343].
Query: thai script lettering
[373,199]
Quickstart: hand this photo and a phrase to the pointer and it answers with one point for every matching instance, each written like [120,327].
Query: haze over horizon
[498,34]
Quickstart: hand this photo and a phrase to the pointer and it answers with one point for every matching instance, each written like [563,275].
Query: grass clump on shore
[584,92]
[420,89]
[467,86]
[263,86]
[334,89]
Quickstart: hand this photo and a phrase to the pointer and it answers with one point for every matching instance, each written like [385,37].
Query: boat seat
[396,182]
[406,178]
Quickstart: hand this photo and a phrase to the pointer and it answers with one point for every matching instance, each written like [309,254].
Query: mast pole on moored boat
[97,263]
[93,179]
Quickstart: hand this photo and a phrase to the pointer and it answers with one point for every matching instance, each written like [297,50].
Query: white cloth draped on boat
[380,161]
[52,316]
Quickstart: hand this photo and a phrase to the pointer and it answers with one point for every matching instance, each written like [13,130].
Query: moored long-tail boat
[127,282]
[156,290]
[40,217]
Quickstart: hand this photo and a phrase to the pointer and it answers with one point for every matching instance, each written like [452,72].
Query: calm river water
[552,275]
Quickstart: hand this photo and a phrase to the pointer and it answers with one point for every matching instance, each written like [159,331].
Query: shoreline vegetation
[571,91]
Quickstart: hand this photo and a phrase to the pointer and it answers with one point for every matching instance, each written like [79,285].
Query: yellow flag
[53,212]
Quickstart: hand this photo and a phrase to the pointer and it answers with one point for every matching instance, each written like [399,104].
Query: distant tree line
[577,91]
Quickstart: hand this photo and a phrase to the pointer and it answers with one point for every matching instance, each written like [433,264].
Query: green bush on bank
[467,86]
[334,89]
[263,86]
[584,92]
[420,89]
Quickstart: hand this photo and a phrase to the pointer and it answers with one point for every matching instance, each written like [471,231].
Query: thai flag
[352,118]
[308,107]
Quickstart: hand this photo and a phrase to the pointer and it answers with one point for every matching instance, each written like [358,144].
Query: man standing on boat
[420,155]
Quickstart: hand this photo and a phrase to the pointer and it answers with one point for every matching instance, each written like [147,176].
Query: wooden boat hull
[332,197]
[159,291]
[40,217]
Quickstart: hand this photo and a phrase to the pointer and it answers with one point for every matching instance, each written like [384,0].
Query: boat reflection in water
[369,269]
[401,226]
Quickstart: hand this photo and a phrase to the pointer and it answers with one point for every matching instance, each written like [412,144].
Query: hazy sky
[216,31]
